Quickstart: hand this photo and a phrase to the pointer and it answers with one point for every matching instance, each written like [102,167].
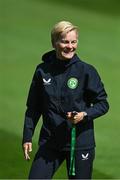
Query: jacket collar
[50,57]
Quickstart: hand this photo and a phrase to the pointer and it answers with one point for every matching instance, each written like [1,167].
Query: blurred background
[25,27]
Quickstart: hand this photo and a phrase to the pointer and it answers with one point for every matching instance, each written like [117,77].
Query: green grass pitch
[24,36]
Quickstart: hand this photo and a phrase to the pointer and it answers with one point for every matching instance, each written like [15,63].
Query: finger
[74,117]
[30,147]
[26,152]
[68,114]
[26,155]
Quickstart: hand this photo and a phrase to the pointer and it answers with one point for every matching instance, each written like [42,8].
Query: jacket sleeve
[96,96]
[34,110]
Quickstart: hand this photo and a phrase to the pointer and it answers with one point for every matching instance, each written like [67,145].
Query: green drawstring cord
[72,151]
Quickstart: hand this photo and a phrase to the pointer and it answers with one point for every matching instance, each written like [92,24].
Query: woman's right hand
[27,148]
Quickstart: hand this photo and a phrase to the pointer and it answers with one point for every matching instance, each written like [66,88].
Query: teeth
[68,51]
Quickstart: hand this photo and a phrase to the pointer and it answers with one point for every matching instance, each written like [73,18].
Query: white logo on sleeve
[47,82]
[85,157]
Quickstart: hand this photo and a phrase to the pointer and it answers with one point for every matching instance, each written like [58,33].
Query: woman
[69,95]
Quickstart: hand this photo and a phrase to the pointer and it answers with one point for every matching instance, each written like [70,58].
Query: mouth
[68,51]
[68,54]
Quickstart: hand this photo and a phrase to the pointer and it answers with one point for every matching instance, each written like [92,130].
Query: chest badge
[72,83]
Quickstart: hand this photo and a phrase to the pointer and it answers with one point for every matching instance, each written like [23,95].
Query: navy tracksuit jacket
[51,96]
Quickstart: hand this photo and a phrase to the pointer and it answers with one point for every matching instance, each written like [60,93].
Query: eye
[67,42]
[74,42]
[64,41]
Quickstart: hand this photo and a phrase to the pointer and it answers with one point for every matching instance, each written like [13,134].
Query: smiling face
[66,46]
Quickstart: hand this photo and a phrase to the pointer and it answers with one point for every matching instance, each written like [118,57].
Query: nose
[69,45]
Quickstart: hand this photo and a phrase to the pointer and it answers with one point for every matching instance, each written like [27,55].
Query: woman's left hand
[75,118]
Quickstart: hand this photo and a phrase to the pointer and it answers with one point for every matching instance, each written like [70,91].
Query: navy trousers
[47,161]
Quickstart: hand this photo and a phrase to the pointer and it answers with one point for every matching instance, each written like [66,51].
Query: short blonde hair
[61,29]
